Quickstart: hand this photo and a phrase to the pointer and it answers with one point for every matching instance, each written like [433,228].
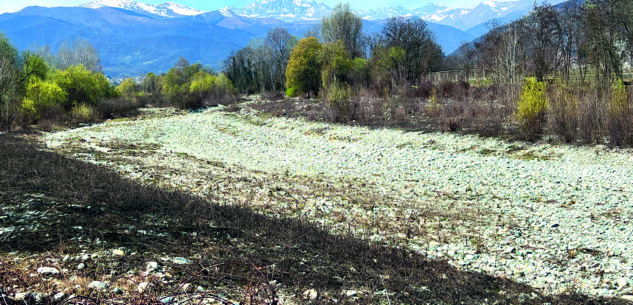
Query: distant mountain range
[134,38]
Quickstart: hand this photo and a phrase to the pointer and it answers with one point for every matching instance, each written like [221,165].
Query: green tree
[40,97]
[343,25]
[394,61]
[127,89]
[336,66]
[303,74]
[34,66]
[422,54]
[150,84]
[202,83]
[83,86]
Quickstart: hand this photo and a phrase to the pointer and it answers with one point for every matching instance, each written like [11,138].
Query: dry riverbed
[555,217]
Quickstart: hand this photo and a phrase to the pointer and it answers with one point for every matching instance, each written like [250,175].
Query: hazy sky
[206,5]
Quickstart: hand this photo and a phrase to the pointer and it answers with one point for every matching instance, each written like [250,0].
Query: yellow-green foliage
[619,102]
[303,72]
[291,92]
[434,109]
[83,86]
[83,113]
[127,89]
[620,117]
[336,67]
[205,84]
[41,96]
[532,107]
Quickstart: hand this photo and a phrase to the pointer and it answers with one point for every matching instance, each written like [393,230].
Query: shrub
[424,89]
[291,92]
[187,101]
[447,89]
[532,107]
[83,113]
[619,116]
[120,107]
[564,114]
[339,95]
[434,108]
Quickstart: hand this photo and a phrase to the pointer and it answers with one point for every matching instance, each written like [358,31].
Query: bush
[120,107]
[564,114]
[424,89]
[434,108]
[619,116]
[291,92]
[339,95]
[187,101]
[532,107]
[83,113]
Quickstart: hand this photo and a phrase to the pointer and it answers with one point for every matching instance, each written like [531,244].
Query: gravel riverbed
[556,217]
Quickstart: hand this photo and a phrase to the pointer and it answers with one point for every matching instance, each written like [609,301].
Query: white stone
[310,294]
[47,270]
[97,285]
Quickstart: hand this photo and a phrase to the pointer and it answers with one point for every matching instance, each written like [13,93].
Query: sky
[210,5]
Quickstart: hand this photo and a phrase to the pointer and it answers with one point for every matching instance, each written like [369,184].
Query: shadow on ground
[53,204]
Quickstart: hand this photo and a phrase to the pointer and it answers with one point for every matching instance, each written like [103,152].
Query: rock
[151,266]
[118,252]
[81,266]
[85,257]
[166,300]
[181,261]
[117,290]
[39,298]
[59,296]
[622,283]
[47,270]
[509,250]
[97,285]
[187,288]
[142,287]
[20,296]
[66,258]
[310,294]
[351,293]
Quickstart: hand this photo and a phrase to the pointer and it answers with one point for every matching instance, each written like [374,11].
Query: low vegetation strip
[555,217]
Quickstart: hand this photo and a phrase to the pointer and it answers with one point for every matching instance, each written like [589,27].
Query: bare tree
[79,53]
[345,26]
[280,42]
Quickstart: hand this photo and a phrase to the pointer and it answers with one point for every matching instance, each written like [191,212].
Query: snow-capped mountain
[167,9]
[287,10]
[461,18]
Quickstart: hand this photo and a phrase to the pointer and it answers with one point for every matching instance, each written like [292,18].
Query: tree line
[339,62]
[69,88]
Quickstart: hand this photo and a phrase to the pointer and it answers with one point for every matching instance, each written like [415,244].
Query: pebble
[142,287]
[310,294]
[351,293]
[47,270]
[59,296]
[151,266]
[97,285]
[81,266]
[181,261]
[117,290]
[118,252]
